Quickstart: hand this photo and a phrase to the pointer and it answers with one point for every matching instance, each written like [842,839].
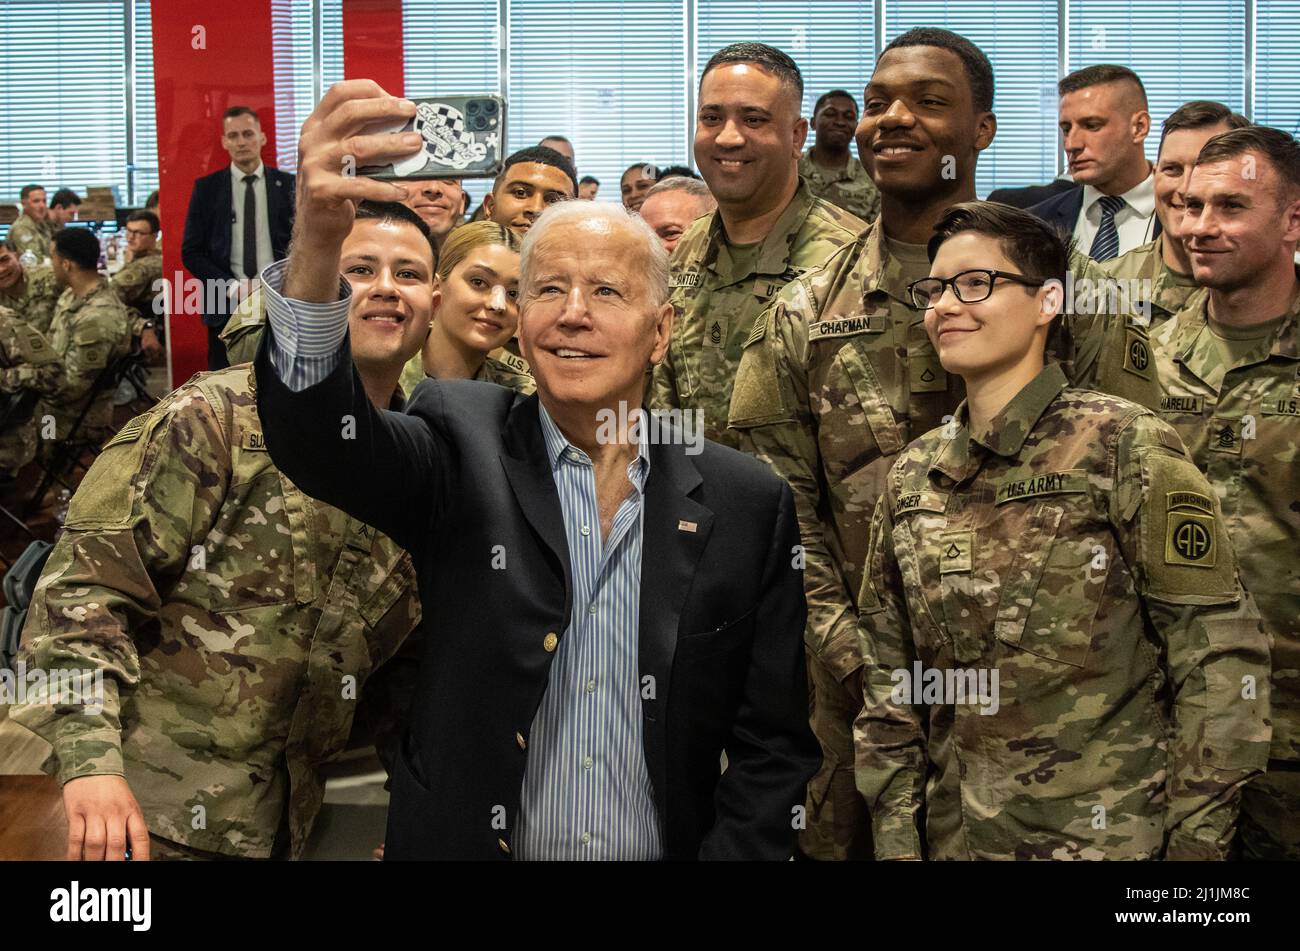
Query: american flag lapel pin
[685,526]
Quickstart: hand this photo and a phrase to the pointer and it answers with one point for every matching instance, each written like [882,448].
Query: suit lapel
[676,531]
[529,471]
[225,216]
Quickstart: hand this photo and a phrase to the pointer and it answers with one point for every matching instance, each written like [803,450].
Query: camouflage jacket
[134,285]
[87,334]
[243,331]
[1102,681]
[27,234]
[1162,287]
[234,618]
[837,377]
[37,299]
[501,367]
[850,188]
[717,306]
[1241,425]
[27,362]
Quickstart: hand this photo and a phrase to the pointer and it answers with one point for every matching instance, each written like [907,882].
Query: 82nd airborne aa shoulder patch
[1189,530]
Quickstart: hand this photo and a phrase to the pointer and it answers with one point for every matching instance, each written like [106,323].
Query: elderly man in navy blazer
[239,221]
[609,605]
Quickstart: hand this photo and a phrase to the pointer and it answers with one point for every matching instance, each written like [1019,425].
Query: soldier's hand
[334,143]
[151,346]
[103,817]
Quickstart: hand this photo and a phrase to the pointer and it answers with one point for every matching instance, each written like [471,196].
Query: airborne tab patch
[1189,530]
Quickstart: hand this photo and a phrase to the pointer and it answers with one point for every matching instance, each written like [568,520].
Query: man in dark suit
[612,605]
[239,221]
[1104,123]
[1030,195]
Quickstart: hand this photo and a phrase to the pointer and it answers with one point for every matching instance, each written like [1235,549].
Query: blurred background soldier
[90,330]
[31,231]
[63,209]
[672,205]
[136,282]
[30,292]
[27,363]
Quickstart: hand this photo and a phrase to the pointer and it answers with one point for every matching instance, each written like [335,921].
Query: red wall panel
[207,56]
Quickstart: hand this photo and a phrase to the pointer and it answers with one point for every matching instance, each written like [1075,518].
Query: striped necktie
[1106,245]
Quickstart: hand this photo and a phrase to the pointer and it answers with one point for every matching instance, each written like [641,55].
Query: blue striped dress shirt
[586,791]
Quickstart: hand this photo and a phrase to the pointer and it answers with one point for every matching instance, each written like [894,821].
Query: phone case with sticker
[464,137]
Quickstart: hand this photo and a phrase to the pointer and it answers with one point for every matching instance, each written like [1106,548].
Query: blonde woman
[475,312]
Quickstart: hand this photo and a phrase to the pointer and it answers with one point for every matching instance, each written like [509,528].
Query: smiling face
[1102,129]
[1174,170]
[523,192]
[835,123]
[1241,221]
[478,303]
[390,267]
[242,138]
[980,340]
[11,269]
[748,136]
[439,202]
[670,213]
[34,205]
[634,184]
[920,134]
[590,322]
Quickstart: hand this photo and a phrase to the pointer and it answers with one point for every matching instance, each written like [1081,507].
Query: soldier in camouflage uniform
[1062,663]
[730,264]
[838,376]
[1229,365]
[89,331]
[32,231]
[235,619]
[30,292]
[843,181]
[1162,266]
[136,283]
[475,312]
[27,362]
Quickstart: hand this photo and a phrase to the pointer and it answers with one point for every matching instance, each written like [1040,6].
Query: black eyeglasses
[971,286]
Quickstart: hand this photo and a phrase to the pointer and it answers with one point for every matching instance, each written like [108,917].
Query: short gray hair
[680,183]
[656,258]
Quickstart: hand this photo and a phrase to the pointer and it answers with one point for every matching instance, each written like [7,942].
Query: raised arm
[321,429]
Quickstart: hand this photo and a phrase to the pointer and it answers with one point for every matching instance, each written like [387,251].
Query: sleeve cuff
[306,337]
[90,754]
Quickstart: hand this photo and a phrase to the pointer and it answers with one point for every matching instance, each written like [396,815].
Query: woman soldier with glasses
[1057,639]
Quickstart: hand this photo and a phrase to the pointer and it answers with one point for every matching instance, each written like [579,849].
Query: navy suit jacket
[464,473]
[1062,212]
[205,249]
[1030,195]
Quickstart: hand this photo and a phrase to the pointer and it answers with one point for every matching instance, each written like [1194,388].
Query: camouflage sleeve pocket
[856,395]
[757,396]
[1184,549]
